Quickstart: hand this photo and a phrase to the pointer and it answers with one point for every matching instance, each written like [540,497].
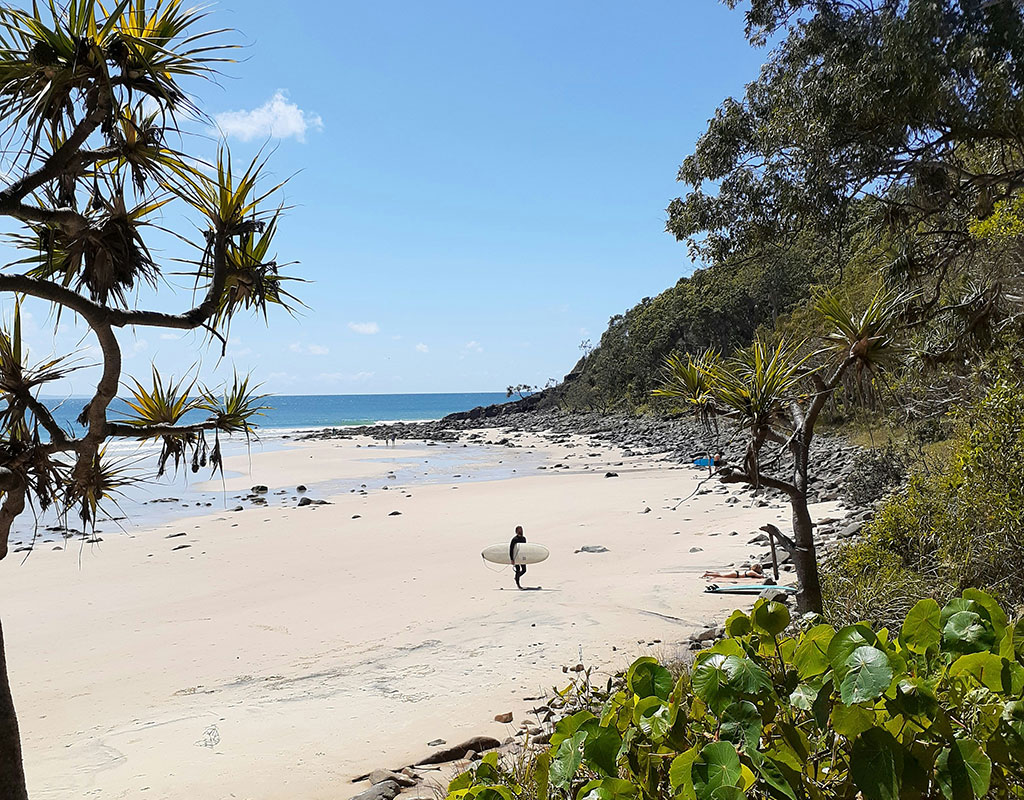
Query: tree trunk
[805,557]
[12,773]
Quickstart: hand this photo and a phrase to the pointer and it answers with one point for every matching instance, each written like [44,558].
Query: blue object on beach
[746,588]
[702,462]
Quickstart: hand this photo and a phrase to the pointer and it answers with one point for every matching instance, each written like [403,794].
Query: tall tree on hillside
[775,395]
[91,98]
[906,117]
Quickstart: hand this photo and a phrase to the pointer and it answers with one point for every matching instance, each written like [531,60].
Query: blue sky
[476,187]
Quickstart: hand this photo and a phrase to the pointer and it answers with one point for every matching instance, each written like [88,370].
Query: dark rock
[611,474]
[395,514]
[259,488]
[305,501]
[300,488]
[477,744]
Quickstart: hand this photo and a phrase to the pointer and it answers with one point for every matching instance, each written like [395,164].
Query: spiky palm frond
[20,380]
[160,404]
[235,408]
[229,201]
[692,380]
[102,481]
[252,280]
[868,338]
[108,257]
[164,404]
[51,56]
[758,384]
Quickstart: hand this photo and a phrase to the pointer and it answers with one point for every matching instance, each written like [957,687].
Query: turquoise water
[327,410]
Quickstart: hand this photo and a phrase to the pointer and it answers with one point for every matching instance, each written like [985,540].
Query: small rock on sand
[503,718]
[305,501]
[611,474]
[395,514]
[592,548]
[382,775]
[388,790]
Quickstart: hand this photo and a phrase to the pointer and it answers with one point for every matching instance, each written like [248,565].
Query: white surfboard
[526,553]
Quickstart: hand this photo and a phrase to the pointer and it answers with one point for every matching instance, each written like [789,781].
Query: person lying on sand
[754,571]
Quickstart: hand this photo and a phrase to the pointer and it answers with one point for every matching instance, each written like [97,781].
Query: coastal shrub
[866,581]
[933,709]
[961,521]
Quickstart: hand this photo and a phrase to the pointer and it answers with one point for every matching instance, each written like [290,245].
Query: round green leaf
[811,656]
[728,793]
[963,770]
[921,628]
[680,774]
[607,789]
[845,642]
[868,675]
[876,765]
[995,613]
[741,725]
[968,632]
[647,678]
[601,750]
[744,675]
[851,721]
[769,617]
[916,698]
[986,668]
[567,760]
[652,716]
[738,624]
[718,764]
[710,682]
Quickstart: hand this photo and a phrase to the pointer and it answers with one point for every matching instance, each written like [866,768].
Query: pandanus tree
[775,394]
[94,108]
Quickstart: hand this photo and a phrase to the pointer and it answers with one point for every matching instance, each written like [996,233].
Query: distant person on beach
[754,571]
[719,459]
[520,569]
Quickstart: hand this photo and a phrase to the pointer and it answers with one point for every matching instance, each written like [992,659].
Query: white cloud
[311,349]
[278,118]
[140,346]
[170,337]
[365,328]
[422,348]
[474,347]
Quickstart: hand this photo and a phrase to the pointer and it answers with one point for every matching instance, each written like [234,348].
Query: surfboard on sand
[526,553]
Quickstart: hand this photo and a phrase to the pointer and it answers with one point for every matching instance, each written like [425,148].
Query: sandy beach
[285,650]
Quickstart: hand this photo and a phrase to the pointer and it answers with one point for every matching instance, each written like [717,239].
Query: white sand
[313,647]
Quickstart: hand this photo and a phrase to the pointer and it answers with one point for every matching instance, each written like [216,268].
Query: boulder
[477,744]
[388,790]
[305,501]
[382,775]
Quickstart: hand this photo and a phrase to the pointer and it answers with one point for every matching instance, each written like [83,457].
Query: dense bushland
[958,523]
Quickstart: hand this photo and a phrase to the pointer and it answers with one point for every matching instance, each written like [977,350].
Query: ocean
[155,500]
[304,411]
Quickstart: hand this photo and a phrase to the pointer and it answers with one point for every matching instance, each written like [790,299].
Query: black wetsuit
[520,569]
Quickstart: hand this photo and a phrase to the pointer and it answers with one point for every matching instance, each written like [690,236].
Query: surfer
[520,569]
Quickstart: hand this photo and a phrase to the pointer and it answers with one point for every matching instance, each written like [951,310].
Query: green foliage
[959,522]
[936,710]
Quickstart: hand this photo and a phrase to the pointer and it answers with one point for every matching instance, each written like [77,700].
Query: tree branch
[736,476]
[152,431]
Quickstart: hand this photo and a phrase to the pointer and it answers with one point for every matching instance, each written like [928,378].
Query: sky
[474,188]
